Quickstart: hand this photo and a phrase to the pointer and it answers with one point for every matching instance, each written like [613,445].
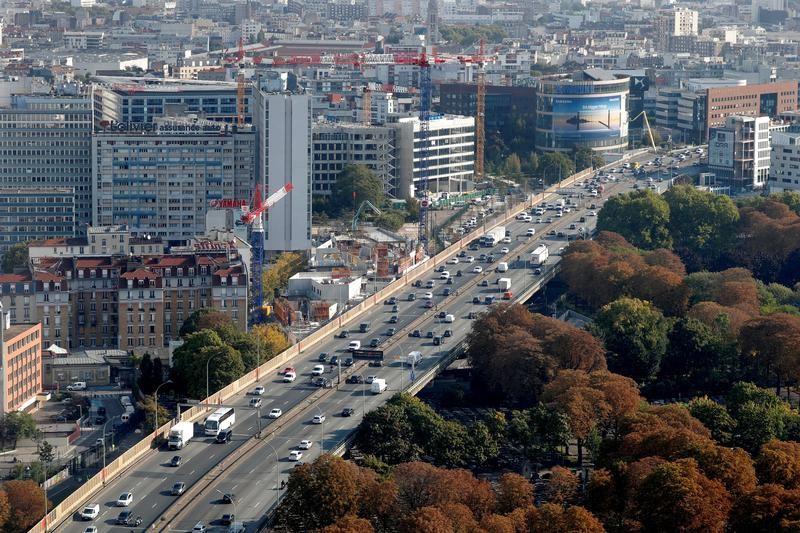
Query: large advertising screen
[592,118]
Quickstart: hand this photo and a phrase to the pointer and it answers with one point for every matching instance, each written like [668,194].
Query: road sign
[423,203]
[368,354]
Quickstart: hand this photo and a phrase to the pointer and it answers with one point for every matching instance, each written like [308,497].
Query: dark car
[348,411]
[392,300]
[376,362]
[176,461]
[446,292]
[476,300]
[348,362]
[125,518]
[355,379]
[429,305]
[322,357]
[430,334]
[393,319]
[472,316]
[395,309]
[441,314]
[374,343]
[318,381]
[449,281]
[335,360]
[538,272]
[416,333]
[437,341]
[484,283]
[227,519]
[390,332]
[223,437]
[344,334]
[418,283]
[228,497]
[100,420]
[412,297]
[448,333]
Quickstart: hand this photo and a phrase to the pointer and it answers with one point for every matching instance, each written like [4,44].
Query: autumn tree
[552,518]
[767,509]
[779,462]
[635,335]
[676,496]
[498,524]
[149,408]
[426,520]
[320,493]
[562,488]
[639,216]
[460,516]
[27,505]
[349,524]
[276,275]
[270,340]
[5,510]
[513,491]
[774,343]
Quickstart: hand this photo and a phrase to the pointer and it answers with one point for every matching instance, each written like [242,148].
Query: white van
[502,267]
[444,275]
[354,345]
[78,385]
[449,318]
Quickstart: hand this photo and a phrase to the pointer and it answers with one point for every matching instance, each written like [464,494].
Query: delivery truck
[504,284]
[539,255]
[180,435]
[493,236]
[378,386]
[413,358]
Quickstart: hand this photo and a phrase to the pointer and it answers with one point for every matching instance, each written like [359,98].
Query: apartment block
[784,172]
[21,361]
[31,213]
[739,153]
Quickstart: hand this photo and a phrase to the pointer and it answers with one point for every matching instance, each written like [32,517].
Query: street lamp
[322,424]
[207,363]
[233,501]
[155,394]
[277,471]
[104,445]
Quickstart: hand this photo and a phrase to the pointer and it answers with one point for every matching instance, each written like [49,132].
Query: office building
[45,143]
[343,143]
[450,160]
[504,104]
[675,22]
[121,101]
[21,365]
[31,213]
[159,180]
[706,104]
[784,171]
[739,153]
[588,109]
[283,123]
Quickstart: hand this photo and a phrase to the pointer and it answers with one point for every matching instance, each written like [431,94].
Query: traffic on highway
[315,404]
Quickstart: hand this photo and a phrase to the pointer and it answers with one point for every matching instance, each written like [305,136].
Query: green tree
[412,209]
[760,416]
[701,224]
[538,431]
[14,426]
[587,158]
[513,167]
[482,446]
[145,379]
[391,219]
[650,138]
[46,452]
[192,359]
[714,417]
[149,408]
[205,318]
[355,184]
[635,335]
[531,164]
[639,216]
[15,257]
[555,166]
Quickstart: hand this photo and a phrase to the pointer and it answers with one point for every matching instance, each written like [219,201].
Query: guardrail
[121,464]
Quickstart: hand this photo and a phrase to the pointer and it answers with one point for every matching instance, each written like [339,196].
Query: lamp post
[104,446]
[322,424]
[277,472]
[207,363]
[44,490]
[233,501]
[155,394]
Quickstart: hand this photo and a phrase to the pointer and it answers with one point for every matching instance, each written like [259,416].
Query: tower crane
[649,131]
[254,217]
[480,115]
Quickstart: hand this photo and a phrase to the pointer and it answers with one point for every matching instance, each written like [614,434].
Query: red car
[288,369]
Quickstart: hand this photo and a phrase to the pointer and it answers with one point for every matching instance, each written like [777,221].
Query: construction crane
[649,131]
[254,217]
[480,115]
[366,106]
[365,204]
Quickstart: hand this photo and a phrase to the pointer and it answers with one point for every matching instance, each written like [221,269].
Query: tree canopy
[355,184]
[641,217]
[15,257]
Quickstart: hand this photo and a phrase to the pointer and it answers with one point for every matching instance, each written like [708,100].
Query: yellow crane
[649,131]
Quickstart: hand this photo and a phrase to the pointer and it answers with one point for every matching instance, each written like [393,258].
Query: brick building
[21,360]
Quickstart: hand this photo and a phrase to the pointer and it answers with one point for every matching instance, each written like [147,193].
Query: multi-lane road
[255,478]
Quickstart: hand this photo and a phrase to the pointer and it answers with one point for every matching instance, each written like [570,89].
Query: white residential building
[739,153]
[784,171]
[283,122]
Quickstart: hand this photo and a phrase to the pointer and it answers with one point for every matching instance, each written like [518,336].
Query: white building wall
[784,173]
[285,125]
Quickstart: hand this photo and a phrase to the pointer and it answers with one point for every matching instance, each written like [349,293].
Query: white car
[567,209]
[125,499]
[469,259]
[275,413]
[504,250]
[259,390]
[453,260]
[90,512]
[592,214]
[318,370]
[199,528]
[318,419]
[531,232]
[255,403]
[289,377]
[477,269]
[90,529]
[305,444]
[428,296]
[295,455]
[444,275]
[507,240]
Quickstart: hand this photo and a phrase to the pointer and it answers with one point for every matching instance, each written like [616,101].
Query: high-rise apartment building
[45,143]
[739,153]
[160,179]
[283,123]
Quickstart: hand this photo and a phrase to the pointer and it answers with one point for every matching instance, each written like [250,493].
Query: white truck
[180,435]
[413,358]
[504,284]
[378,386]
[78,385]
[494,236]
[539,255]
[560,203]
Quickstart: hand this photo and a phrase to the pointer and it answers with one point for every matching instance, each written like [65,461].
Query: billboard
[589,118]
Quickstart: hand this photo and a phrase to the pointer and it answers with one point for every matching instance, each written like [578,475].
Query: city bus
[220,420]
